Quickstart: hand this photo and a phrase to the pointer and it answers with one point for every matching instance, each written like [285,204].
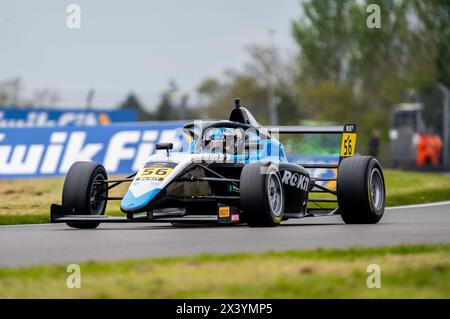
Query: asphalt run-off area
[24,245]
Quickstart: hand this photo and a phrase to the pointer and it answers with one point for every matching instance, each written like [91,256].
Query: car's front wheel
[262,196]
[83,191]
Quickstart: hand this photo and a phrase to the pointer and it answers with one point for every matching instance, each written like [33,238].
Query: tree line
[345,71]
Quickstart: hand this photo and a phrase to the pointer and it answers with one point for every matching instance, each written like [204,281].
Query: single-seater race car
[233,171]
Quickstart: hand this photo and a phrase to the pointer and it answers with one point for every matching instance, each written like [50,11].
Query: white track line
[420,205]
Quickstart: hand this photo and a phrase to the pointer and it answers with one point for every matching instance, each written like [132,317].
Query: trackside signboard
[120,147]
[20,118]
[45,152]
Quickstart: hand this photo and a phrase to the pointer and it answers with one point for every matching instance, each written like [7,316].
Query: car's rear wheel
[81,190]
[262,196]
[361,190]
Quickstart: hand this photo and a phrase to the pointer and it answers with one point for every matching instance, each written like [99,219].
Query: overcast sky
[134,45]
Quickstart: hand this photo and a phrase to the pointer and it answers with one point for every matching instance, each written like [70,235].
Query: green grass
[28,201]
[418,271]
[415,187]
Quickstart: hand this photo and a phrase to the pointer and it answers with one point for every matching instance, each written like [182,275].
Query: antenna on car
[237,103]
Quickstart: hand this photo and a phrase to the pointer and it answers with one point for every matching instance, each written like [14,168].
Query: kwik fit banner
[121,148]
[10,117]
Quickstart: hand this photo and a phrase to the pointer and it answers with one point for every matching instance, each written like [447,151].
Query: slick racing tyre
[82,185]
[262,195]
[361,190]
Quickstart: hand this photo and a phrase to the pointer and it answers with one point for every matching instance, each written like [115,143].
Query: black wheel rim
[376,190]
[275,194]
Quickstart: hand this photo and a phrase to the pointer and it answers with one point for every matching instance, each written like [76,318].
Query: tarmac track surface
[24,245]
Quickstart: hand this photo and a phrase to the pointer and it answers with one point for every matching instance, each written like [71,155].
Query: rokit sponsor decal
[50,152]
[295,179]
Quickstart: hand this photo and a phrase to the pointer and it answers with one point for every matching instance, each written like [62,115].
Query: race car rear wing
[348,141]
[347,149]
[307,129]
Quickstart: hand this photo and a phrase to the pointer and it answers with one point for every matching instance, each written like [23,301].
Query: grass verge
[418,271]
[28,201]
[406,188]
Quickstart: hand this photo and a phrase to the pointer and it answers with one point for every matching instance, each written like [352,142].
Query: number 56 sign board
[348,144]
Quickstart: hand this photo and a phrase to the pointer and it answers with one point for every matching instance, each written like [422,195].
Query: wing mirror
[164,146]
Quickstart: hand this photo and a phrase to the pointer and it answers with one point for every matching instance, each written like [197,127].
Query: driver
[230,139]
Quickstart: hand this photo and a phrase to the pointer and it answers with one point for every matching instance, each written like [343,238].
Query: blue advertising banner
[10,117]
[120,147]
[45,152]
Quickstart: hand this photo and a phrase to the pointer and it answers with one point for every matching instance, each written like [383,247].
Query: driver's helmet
[230,138]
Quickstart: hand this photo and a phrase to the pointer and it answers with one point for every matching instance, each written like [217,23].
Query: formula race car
[230,171]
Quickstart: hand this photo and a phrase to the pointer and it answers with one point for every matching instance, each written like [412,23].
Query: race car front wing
[61,214]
